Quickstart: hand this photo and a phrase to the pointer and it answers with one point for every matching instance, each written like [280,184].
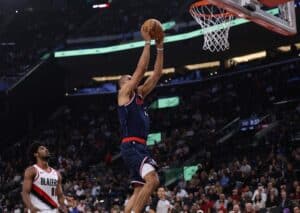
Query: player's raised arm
[29,175]
[152,80]
[142,65]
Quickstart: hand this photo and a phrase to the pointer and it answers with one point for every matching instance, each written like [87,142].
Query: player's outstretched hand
[145,34]
[160,39]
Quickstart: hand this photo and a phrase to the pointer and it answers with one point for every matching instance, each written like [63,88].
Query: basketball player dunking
[42,190]
[134,123]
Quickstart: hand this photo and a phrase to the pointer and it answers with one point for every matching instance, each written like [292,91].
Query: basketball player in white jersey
[42,190]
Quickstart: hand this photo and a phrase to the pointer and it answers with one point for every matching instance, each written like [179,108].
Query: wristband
[160,49]
[148,42]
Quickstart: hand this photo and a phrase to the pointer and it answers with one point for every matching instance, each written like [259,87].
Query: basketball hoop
[215,23]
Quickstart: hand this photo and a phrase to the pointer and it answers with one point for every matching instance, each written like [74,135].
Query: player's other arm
[62,200]
[29,175]
[142,65]
[152,80]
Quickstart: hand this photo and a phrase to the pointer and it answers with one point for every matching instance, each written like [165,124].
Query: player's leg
[132,199]
[152,182]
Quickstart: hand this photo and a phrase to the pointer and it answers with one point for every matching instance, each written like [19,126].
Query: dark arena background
[224,126]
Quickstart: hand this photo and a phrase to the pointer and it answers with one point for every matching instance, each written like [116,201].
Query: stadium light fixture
[250,57]
[105,5]
[284,48]
[205,65]
[165,71]
[168,25]
[107,78]
[153,138]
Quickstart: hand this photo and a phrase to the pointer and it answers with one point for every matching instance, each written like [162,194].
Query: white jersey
[163,206]
[43,191]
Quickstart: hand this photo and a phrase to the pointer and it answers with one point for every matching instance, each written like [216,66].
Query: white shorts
[147,168]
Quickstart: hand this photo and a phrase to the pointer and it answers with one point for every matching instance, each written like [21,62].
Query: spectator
[236,209]
[205,204]
[258,202]
[296,209]
[160,204]
[285,204]
[249,208]
[259,194]
[221,204]
[272,199]
[181,193]
[245,167]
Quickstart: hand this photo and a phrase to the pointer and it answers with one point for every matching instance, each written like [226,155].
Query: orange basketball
[154,27]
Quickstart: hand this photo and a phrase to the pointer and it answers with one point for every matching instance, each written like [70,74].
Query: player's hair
[33,148]
[162,186]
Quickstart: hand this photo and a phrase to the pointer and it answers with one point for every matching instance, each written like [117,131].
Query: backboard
[283,22]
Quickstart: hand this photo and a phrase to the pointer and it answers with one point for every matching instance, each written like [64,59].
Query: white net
[215,23]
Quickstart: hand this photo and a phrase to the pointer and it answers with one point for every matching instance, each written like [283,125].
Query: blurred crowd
[127,16]
[28,35]
[244,173]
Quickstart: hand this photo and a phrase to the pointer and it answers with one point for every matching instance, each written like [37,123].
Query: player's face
[236,209]
[248,207]
[124,79]
[43,153]
[161,193]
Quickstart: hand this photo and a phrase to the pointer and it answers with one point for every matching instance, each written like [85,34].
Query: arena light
[107,78]
[165,71]
[189,172]
[106,5]
[117,77]
[284,48]
[8,44]
[168,102]
[138,44]
[153,138]
[250,57]
[162,103]
[205,65]
[168,25]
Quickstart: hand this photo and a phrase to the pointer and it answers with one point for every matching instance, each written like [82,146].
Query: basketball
[154,27]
